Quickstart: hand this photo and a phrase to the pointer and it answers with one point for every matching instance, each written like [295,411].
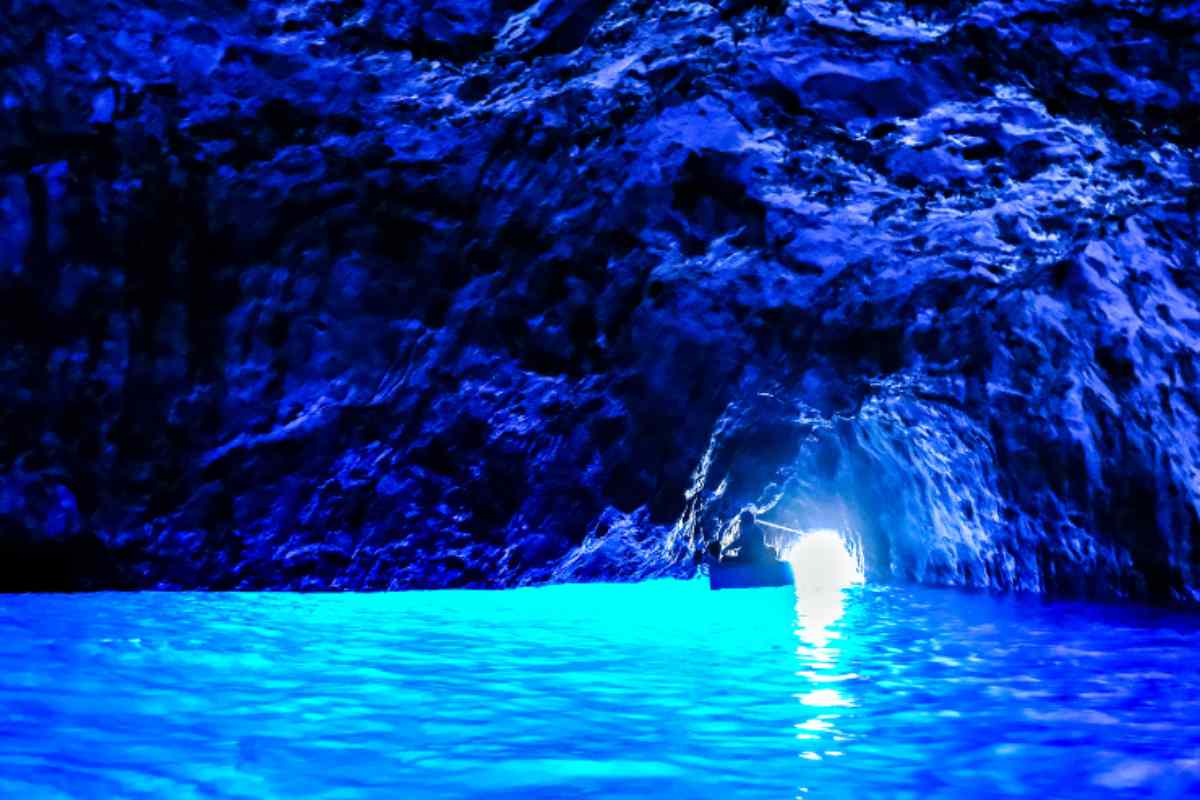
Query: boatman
[751,546]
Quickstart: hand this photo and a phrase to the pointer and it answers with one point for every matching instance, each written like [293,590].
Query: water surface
[660,689]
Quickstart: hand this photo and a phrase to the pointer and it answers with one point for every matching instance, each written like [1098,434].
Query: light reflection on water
[661,689]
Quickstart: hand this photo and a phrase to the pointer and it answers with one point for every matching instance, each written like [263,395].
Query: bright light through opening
[821,562]
[822,566]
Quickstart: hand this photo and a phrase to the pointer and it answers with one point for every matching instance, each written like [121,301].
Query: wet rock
[551,26]
[392,295]
[852,90]
[436,28]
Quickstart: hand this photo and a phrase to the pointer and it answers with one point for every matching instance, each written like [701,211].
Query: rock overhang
[432,312]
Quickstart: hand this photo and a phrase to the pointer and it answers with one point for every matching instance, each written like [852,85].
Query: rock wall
[366,294]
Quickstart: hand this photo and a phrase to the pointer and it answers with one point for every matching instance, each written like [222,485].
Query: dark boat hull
[748,576]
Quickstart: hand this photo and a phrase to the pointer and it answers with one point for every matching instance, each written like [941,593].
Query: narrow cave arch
[820,558]
[892,476]
[790,470]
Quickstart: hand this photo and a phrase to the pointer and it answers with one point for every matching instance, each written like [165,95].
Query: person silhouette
[752,548]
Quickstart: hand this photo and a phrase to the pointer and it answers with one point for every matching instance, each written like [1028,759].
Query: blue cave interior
[357,295]
[308,309]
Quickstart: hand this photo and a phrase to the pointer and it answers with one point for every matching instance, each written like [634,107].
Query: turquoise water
[661,689]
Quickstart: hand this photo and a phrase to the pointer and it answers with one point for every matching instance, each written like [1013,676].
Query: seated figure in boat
[754,563]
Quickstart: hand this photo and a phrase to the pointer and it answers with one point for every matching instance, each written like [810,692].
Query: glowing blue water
[662,689]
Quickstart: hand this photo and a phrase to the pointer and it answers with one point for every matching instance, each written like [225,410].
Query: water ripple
[662,689]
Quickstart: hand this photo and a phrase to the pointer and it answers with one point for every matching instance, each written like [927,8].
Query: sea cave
[388,383]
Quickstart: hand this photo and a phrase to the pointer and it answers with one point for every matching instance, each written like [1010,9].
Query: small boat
[735,574]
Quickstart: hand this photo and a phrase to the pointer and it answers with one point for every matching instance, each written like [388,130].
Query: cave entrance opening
[822,559]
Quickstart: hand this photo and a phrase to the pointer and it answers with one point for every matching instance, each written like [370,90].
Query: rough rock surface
[369,294]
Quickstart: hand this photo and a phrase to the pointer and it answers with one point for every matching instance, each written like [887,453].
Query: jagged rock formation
[359,294]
